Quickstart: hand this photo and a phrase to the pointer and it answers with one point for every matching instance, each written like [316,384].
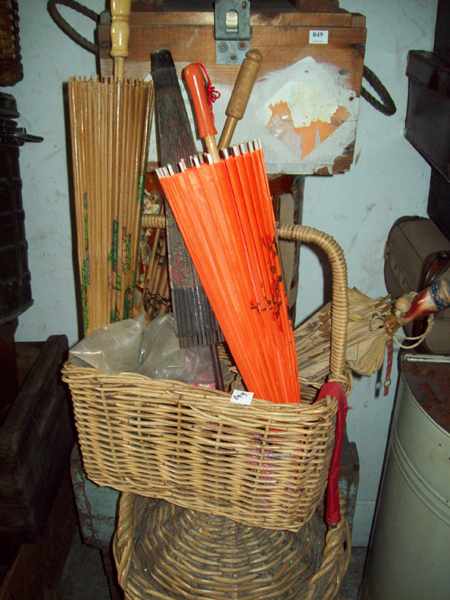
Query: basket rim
[199,397]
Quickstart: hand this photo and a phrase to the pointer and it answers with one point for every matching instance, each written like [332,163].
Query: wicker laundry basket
[264,465]
[168,553]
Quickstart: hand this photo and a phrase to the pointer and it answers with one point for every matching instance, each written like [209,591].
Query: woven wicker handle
[339,300]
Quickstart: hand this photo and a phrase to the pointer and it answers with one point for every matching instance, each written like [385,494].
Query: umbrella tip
[161,59]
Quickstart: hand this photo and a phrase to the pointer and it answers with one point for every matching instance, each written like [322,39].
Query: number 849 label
[318,36]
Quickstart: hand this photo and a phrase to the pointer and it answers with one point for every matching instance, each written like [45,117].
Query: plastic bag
[152,350]
[114,348]
[162,357]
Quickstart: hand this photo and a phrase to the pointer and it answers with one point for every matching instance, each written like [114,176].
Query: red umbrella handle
[202,95]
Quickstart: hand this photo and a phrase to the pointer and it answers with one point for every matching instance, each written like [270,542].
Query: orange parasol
[224,211]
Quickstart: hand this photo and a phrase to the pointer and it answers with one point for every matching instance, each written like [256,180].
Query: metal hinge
[231,30]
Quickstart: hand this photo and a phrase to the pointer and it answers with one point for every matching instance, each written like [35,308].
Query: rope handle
[68,29]
[339,301]
[385,104]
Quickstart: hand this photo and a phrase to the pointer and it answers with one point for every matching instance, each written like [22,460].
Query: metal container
[409,550]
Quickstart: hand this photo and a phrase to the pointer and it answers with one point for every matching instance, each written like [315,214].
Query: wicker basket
[264,465]
[168,553]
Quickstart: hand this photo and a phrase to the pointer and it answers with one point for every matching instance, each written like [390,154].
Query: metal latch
[231,30]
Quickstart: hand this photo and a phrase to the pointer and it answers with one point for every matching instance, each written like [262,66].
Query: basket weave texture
[264,465]
[168,553]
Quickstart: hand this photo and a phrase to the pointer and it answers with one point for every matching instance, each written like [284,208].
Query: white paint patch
[312,90]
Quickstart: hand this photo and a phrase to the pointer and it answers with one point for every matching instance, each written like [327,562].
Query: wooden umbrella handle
[432,299]
[197,87]
[241,94]
[120,33]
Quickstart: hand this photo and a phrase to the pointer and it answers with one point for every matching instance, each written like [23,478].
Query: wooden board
[257,5]
[314,133]
[305,104]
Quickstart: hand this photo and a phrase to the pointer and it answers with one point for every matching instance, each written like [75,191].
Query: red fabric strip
[332,509]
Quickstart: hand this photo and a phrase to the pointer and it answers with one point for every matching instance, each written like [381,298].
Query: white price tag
[318,36]
[241,397]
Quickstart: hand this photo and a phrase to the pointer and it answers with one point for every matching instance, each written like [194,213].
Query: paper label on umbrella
[241,397]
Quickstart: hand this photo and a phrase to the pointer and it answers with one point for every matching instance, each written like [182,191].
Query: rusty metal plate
[428,378]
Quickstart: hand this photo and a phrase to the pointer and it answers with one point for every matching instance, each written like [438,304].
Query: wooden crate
[37,567]
[36,438]
[305,104]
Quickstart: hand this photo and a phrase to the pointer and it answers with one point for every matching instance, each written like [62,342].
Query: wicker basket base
[168,553]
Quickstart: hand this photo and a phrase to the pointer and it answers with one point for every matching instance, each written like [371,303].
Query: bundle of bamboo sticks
[109,122]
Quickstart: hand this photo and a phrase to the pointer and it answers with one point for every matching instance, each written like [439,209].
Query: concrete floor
[84,578]
[353,578]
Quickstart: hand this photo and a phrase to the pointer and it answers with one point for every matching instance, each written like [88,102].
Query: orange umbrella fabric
[225,214]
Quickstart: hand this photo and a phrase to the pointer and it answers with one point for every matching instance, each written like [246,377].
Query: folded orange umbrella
[224,211]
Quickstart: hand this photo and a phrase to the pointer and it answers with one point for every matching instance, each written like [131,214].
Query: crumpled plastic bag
[162,357]
[114,348]
[152,350]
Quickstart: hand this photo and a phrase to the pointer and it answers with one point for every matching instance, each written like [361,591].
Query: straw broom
[109,123]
